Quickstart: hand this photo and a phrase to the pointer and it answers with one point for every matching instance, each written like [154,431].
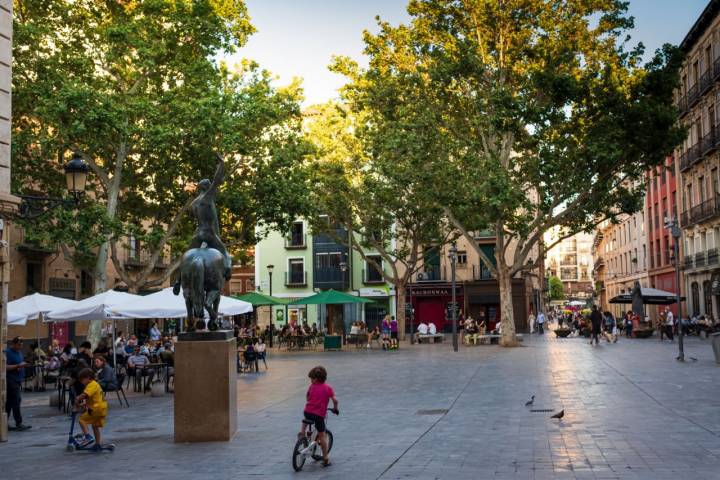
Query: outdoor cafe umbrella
[332,297]
[259,300]
[165,304]
[97,307]
[650,296]
[34,306]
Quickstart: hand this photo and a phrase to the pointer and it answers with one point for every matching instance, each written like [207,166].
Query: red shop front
[430,303]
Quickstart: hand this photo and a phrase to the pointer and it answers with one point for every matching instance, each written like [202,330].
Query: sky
[298,38]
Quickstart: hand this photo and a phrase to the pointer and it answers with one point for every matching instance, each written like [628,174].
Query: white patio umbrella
[165,304]
[16,319]
[97,307]
[35,306]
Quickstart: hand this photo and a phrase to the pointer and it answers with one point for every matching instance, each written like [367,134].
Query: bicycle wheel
[298,459]
[329,436]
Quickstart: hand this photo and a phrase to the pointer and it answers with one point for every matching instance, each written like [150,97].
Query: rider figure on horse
[204,210]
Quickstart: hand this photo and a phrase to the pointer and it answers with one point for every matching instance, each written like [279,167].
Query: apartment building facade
[571,261]
[661,205]
[300,263]
[477,290]
[698,162]
[620,257]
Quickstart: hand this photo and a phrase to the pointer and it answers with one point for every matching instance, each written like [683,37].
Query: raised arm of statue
[219,176]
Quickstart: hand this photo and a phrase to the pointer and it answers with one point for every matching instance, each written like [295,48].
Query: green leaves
[135,86]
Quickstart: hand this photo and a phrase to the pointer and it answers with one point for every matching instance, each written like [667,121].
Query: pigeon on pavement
[530,402]
[559,415]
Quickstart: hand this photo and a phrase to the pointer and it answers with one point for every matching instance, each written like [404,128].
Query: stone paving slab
[631,412]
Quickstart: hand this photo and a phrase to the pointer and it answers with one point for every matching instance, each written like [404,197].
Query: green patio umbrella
[259,300]
[331,297]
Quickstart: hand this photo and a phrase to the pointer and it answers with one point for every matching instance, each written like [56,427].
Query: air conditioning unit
[422,276]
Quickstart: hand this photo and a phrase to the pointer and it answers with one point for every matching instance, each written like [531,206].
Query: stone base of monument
[205,387]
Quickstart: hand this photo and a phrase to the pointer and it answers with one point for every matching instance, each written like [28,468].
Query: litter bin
[715,339]
[332,342]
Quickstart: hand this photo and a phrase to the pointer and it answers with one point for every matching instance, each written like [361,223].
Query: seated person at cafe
[354,329]
[423,328]
[136,361]
[471,331]
[432,329]
[105,374]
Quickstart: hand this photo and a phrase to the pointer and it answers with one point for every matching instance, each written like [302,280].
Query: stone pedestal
[205,387]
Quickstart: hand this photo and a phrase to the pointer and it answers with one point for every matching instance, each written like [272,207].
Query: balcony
[716,69]
[706,82]
[700,213]
[372,277]
[434,275]
[690,157]
[709,142]
[699,259]
[296,279]
[296,242]
[481,272]
[693,95]
[712,256]
[688,262]
[140,257]
[682,105]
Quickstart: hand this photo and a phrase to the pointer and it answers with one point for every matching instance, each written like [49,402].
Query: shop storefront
[482,301]
[430,303]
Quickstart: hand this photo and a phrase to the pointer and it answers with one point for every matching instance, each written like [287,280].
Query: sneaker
[22,427]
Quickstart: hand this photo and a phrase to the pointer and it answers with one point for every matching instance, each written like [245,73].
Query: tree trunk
[507,317]
[400,293]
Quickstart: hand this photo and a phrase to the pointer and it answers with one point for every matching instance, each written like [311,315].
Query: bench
[436,338]
[493,338]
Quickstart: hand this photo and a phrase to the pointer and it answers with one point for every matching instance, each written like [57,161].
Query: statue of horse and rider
[206,265]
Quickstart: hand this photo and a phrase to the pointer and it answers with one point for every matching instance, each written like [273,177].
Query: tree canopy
[556,290]
[536,114]
[136,87]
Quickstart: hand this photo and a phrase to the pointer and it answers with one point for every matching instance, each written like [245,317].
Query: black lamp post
[343,269]
[270,270]
[76,171]
[453,307]
[672,225]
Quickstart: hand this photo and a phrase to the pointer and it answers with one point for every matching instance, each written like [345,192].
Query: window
[689,196]
[296,271]
[330,260]
[695,289]
[714,180]
[701,189]
[462,259]
[371,273]
[568,274]
[86,284]
[297,235]
[34,278]
[707,296]
[250,285]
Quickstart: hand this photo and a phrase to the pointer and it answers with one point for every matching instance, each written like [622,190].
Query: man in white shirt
[669,323]
[540,322]
[423,328]
[432,329]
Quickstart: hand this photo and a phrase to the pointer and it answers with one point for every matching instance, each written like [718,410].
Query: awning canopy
[165,304]
[257,299]
[331,297]
[98,307]
[650,296]
[32,306]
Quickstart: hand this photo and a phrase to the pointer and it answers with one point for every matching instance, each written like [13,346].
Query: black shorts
[317,420]
[393,335]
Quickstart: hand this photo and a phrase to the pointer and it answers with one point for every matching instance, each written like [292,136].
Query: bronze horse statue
[202,277]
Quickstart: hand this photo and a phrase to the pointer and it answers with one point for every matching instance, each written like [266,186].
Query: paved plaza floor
[425,412]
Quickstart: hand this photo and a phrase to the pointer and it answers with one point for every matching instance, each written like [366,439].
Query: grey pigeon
[693,359]
[530,402]
[559,415]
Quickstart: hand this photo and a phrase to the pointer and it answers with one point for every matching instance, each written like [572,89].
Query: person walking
[628,324]
[15,372]
[596,322]
[669,323]
[540,322]
[531,322]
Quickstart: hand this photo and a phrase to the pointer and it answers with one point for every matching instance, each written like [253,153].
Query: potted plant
[562,332]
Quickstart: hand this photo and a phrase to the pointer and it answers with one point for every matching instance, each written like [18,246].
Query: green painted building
[298,264]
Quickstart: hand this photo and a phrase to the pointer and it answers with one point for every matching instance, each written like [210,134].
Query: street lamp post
[672,225]
[453,309]
[270,270]
[343,269]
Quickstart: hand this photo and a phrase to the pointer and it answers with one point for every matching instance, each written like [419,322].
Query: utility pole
[672,225]
[453,307]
